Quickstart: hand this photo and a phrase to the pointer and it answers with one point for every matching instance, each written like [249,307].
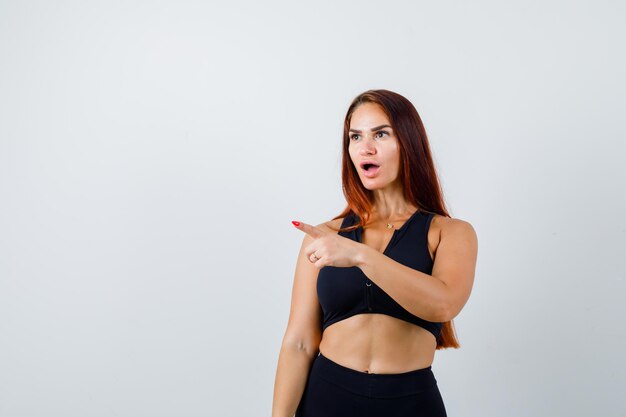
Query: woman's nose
[368,147]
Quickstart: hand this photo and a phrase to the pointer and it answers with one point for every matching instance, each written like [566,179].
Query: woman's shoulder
[449,220]
[451,225]
[449,229]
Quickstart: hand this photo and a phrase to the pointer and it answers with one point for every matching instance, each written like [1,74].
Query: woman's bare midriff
[377,343]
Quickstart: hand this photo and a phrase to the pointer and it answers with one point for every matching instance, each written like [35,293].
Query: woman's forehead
[367,116]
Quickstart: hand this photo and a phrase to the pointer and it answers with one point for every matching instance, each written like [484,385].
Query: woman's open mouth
[370,170]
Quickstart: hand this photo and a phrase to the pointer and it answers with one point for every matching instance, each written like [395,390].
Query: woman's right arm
[302,338]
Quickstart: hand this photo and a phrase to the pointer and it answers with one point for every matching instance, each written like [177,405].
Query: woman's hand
[329,249]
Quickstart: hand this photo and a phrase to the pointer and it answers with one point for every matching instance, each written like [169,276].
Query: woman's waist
[373,385]
[378,346]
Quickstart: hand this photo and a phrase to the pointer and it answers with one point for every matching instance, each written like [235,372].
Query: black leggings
[335,390]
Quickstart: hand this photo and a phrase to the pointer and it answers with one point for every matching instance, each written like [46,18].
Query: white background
[153,155]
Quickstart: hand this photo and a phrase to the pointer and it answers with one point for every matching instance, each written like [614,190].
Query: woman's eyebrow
[373,129]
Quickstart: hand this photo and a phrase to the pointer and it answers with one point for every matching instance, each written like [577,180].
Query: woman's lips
[370,173]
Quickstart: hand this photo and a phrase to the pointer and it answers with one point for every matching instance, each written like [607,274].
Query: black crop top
[345,292]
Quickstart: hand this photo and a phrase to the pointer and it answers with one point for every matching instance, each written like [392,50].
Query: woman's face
[372,139]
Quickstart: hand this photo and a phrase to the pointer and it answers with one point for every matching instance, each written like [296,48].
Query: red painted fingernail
[296,223]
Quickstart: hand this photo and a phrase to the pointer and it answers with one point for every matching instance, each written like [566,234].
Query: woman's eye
[381,133]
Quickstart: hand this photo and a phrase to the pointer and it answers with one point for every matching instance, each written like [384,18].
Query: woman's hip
[333,389]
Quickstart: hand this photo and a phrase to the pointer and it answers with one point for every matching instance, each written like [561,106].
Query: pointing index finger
[310,230]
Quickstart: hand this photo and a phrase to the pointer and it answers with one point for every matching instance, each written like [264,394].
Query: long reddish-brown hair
[417,175]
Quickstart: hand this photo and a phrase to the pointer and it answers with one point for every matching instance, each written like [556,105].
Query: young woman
[377,287]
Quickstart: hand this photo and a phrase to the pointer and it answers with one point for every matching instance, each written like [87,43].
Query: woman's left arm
[438,297]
